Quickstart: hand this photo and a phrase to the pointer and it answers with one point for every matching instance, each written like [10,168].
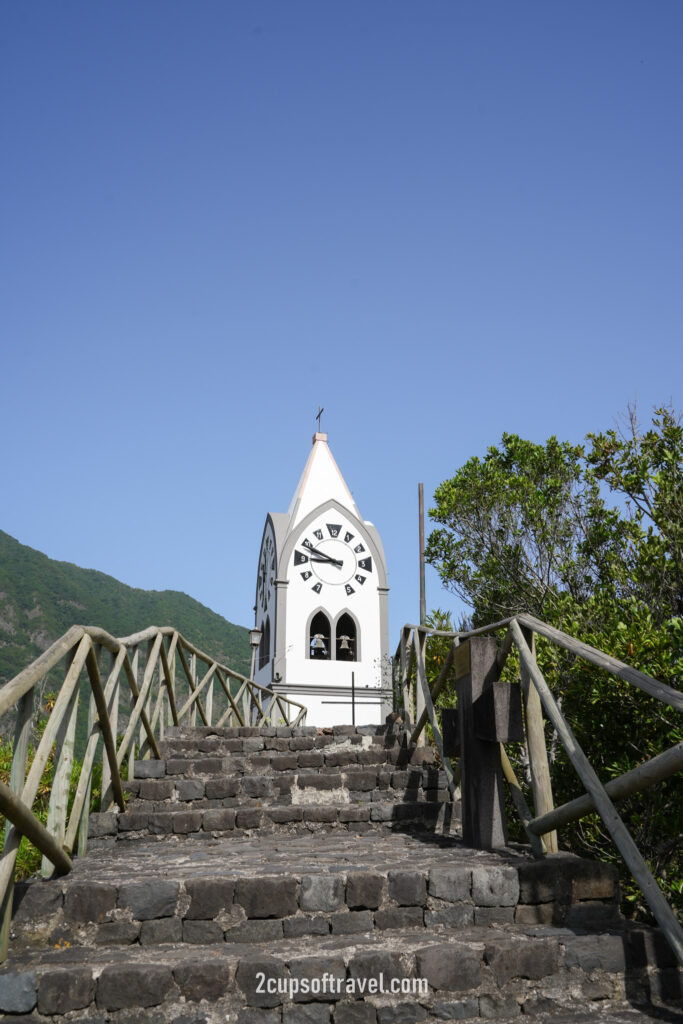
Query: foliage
[436,653]
[527,528]
[647,467]
[28,857]
[523,528]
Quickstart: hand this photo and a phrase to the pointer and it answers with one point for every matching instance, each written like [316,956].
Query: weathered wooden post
[420,642]
[483,800]
[135,665]
[538,755]
[22,733]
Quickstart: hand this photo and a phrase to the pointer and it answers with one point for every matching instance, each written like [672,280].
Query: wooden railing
[129,689]
[488,714]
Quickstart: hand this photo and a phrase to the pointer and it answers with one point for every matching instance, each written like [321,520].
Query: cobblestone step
[199,763]
[242,850]
[464,974]
[210,822]
[357,784]
[199,895]
[181,742]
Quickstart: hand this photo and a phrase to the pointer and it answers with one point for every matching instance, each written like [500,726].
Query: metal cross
[320,412]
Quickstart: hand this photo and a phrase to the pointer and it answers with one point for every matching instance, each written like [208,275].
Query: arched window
[319,637]
[264,646]
[346,639]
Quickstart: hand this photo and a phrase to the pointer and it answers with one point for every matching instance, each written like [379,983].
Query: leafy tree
[523,528]
[527,528]
[647,468]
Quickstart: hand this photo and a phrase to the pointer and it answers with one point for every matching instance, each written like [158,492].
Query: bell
[318,642]
[344,643]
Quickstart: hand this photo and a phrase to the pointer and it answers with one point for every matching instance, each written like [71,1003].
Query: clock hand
[319,556]
[329,561]
[325,558]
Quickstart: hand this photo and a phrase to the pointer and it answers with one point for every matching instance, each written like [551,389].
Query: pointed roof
[320,481]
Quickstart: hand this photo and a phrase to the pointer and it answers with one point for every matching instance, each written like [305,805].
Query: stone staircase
[304,876]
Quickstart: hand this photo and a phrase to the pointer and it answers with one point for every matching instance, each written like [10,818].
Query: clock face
[266,573]
[331,556]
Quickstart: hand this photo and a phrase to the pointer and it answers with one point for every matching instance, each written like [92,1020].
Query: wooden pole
[107,725]
[538,754]
[26,824]
[483,799]
[22,731]
[130,748]
[423,598]
[82,814]
[430,711]
[521,806]
[419,644]
[647,774]
[622,837]
[80,809]
[436,689]
[59,794]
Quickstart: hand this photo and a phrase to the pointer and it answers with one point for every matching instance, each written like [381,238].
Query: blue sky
[440,221]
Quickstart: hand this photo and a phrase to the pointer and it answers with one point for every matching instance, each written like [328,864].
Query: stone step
[283,818]
[207,737]
[352,784]
[273,889]
[228,741]
[330,758]
[452,974]
[235,861]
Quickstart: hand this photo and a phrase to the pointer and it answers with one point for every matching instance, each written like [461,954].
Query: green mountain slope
[41,598]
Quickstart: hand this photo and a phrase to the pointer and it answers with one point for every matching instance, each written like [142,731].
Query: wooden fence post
[483,800]
[59,795]
[82,846]
[171,685]
[193,675]
[420,705]
[107,801]
[135,667]
[22,733]
[538,754]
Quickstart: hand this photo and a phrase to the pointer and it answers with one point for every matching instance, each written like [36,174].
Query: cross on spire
[319,414]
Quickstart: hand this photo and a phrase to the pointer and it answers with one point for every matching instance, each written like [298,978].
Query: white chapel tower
[321,601]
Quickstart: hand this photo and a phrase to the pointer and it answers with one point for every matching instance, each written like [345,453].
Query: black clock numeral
[318,534]
[348,537]
[306,575]
[358,548]
[334,529]
[365,563]
[349,589]
[360,579]
[317,587]
[299,559]
[307,544]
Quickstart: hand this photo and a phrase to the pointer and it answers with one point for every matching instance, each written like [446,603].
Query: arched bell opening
[319,638]
[346,638]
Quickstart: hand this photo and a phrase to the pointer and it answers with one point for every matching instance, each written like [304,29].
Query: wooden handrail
[622,838]
[647,774]
[81,646]
[651,686]
[598,796]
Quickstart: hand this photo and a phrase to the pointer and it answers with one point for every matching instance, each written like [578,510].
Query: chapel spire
[320,481]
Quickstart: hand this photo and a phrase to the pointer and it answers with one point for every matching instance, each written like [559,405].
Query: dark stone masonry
[302,876]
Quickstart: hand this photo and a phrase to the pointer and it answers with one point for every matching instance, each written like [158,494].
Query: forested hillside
[41,598]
